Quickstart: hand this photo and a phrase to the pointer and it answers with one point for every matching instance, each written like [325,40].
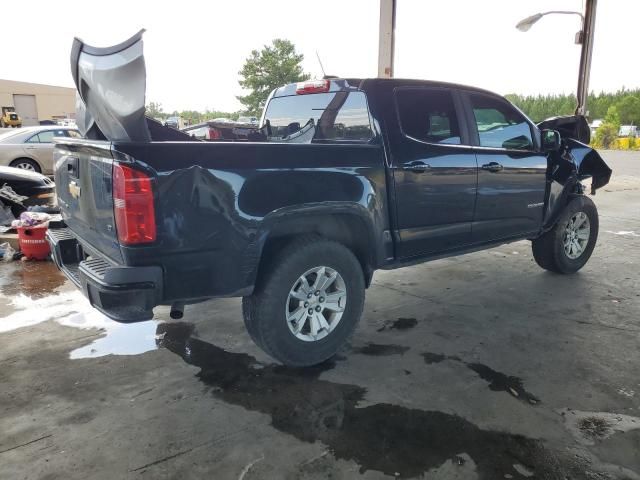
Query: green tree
[269,68]
[607,133]
[544,106]
[154,110]
[629,110]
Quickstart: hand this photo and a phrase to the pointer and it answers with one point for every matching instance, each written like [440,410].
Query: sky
[195,48]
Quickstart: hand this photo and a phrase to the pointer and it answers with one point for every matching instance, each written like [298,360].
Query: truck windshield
[332,117]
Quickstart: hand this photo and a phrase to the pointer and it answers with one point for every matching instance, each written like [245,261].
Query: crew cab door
[511,169]
[434,173]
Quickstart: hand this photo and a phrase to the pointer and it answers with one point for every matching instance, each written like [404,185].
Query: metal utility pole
[584,71]
[386,38]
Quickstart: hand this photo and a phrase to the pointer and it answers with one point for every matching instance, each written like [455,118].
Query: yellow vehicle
[10,118]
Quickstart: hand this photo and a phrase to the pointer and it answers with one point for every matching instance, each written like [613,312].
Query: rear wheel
[567,247]
[25,164]
[307,304]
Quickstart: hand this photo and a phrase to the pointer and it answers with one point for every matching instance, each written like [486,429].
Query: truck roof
[339,84]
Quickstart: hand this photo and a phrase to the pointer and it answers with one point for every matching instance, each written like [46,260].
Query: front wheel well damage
[348,230]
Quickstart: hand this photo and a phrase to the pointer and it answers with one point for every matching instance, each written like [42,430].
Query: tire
[265,312]
[553,250]
[26,164]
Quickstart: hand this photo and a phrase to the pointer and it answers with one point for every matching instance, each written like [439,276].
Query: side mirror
[550,140]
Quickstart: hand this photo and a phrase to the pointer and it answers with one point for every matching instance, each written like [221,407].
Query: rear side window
[428,114]
[46,136]
[500,125]
[319,118]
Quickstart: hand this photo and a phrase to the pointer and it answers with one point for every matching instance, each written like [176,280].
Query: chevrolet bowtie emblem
[74,190]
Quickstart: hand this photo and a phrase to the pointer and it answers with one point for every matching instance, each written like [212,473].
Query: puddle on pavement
[383,437]
[33,279]
[119,339]
[498,382]
[430,358]
[71,309]
[379,350]
[399,324]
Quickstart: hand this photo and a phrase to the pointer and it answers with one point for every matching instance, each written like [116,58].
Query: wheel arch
[350,226]
[26,157]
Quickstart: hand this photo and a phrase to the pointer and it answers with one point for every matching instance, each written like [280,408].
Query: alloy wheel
[316,303]
[576,235]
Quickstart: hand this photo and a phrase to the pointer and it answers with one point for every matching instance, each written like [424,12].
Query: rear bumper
[124,294]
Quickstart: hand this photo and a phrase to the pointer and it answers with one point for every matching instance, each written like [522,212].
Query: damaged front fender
[588,163]
[574,162]
[576,135]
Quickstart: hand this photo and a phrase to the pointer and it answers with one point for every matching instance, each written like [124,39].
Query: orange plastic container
[32,242]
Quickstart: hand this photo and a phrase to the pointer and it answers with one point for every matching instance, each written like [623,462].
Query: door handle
[492,167]
[29,148]
[417,166]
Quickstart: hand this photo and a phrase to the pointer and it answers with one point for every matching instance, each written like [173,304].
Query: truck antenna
[320,62]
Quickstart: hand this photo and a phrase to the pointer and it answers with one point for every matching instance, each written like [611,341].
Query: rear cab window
[331,117]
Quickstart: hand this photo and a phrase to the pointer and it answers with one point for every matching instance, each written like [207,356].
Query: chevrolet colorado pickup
[348,176]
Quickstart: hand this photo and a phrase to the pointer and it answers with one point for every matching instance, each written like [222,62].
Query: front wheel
[307,303]
[567,247]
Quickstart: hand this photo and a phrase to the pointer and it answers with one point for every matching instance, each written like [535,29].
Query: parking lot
[479,366]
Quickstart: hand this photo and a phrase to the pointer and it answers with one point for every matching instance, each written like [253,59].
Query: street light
[584,37]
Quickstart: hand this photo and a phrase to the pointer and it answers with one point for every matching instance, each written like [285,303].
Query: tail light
[313,86]
[214,134]
[133,206]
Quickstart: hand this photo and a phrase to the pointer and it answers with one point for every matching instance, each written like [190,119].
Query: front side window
[428,115]
[500,125]
[319,118]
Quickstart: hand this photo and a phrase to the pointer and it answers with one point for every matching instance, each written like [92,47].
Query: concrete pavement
[480,366]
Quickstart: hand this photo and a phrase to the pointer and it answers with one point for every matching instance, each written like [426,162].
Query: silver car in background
[31,148]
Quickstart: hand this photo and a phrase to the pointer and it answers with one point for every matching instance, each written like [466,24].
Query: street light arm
[564,12]
[525,24]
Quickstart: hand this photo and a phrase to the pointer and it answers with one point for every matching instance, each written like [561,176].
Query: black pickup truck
[348,176]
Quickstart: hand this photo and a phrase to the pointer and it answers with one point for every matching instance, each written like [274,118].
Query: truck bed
[216,203]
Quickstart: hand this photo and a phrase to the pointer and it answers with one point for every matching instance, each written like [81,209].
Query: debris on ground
[6,252]
[32,219]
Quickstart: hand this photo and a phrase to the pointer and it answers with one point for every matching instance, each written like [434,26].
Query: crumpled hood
[111,85]
[569,126]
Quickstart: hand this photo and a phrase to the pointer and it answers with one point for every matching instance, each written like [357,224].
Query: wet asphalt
[480,366]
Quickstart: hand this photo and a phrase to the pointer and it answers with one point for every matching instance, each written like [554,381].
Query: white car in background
[31,148]
[628,131]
